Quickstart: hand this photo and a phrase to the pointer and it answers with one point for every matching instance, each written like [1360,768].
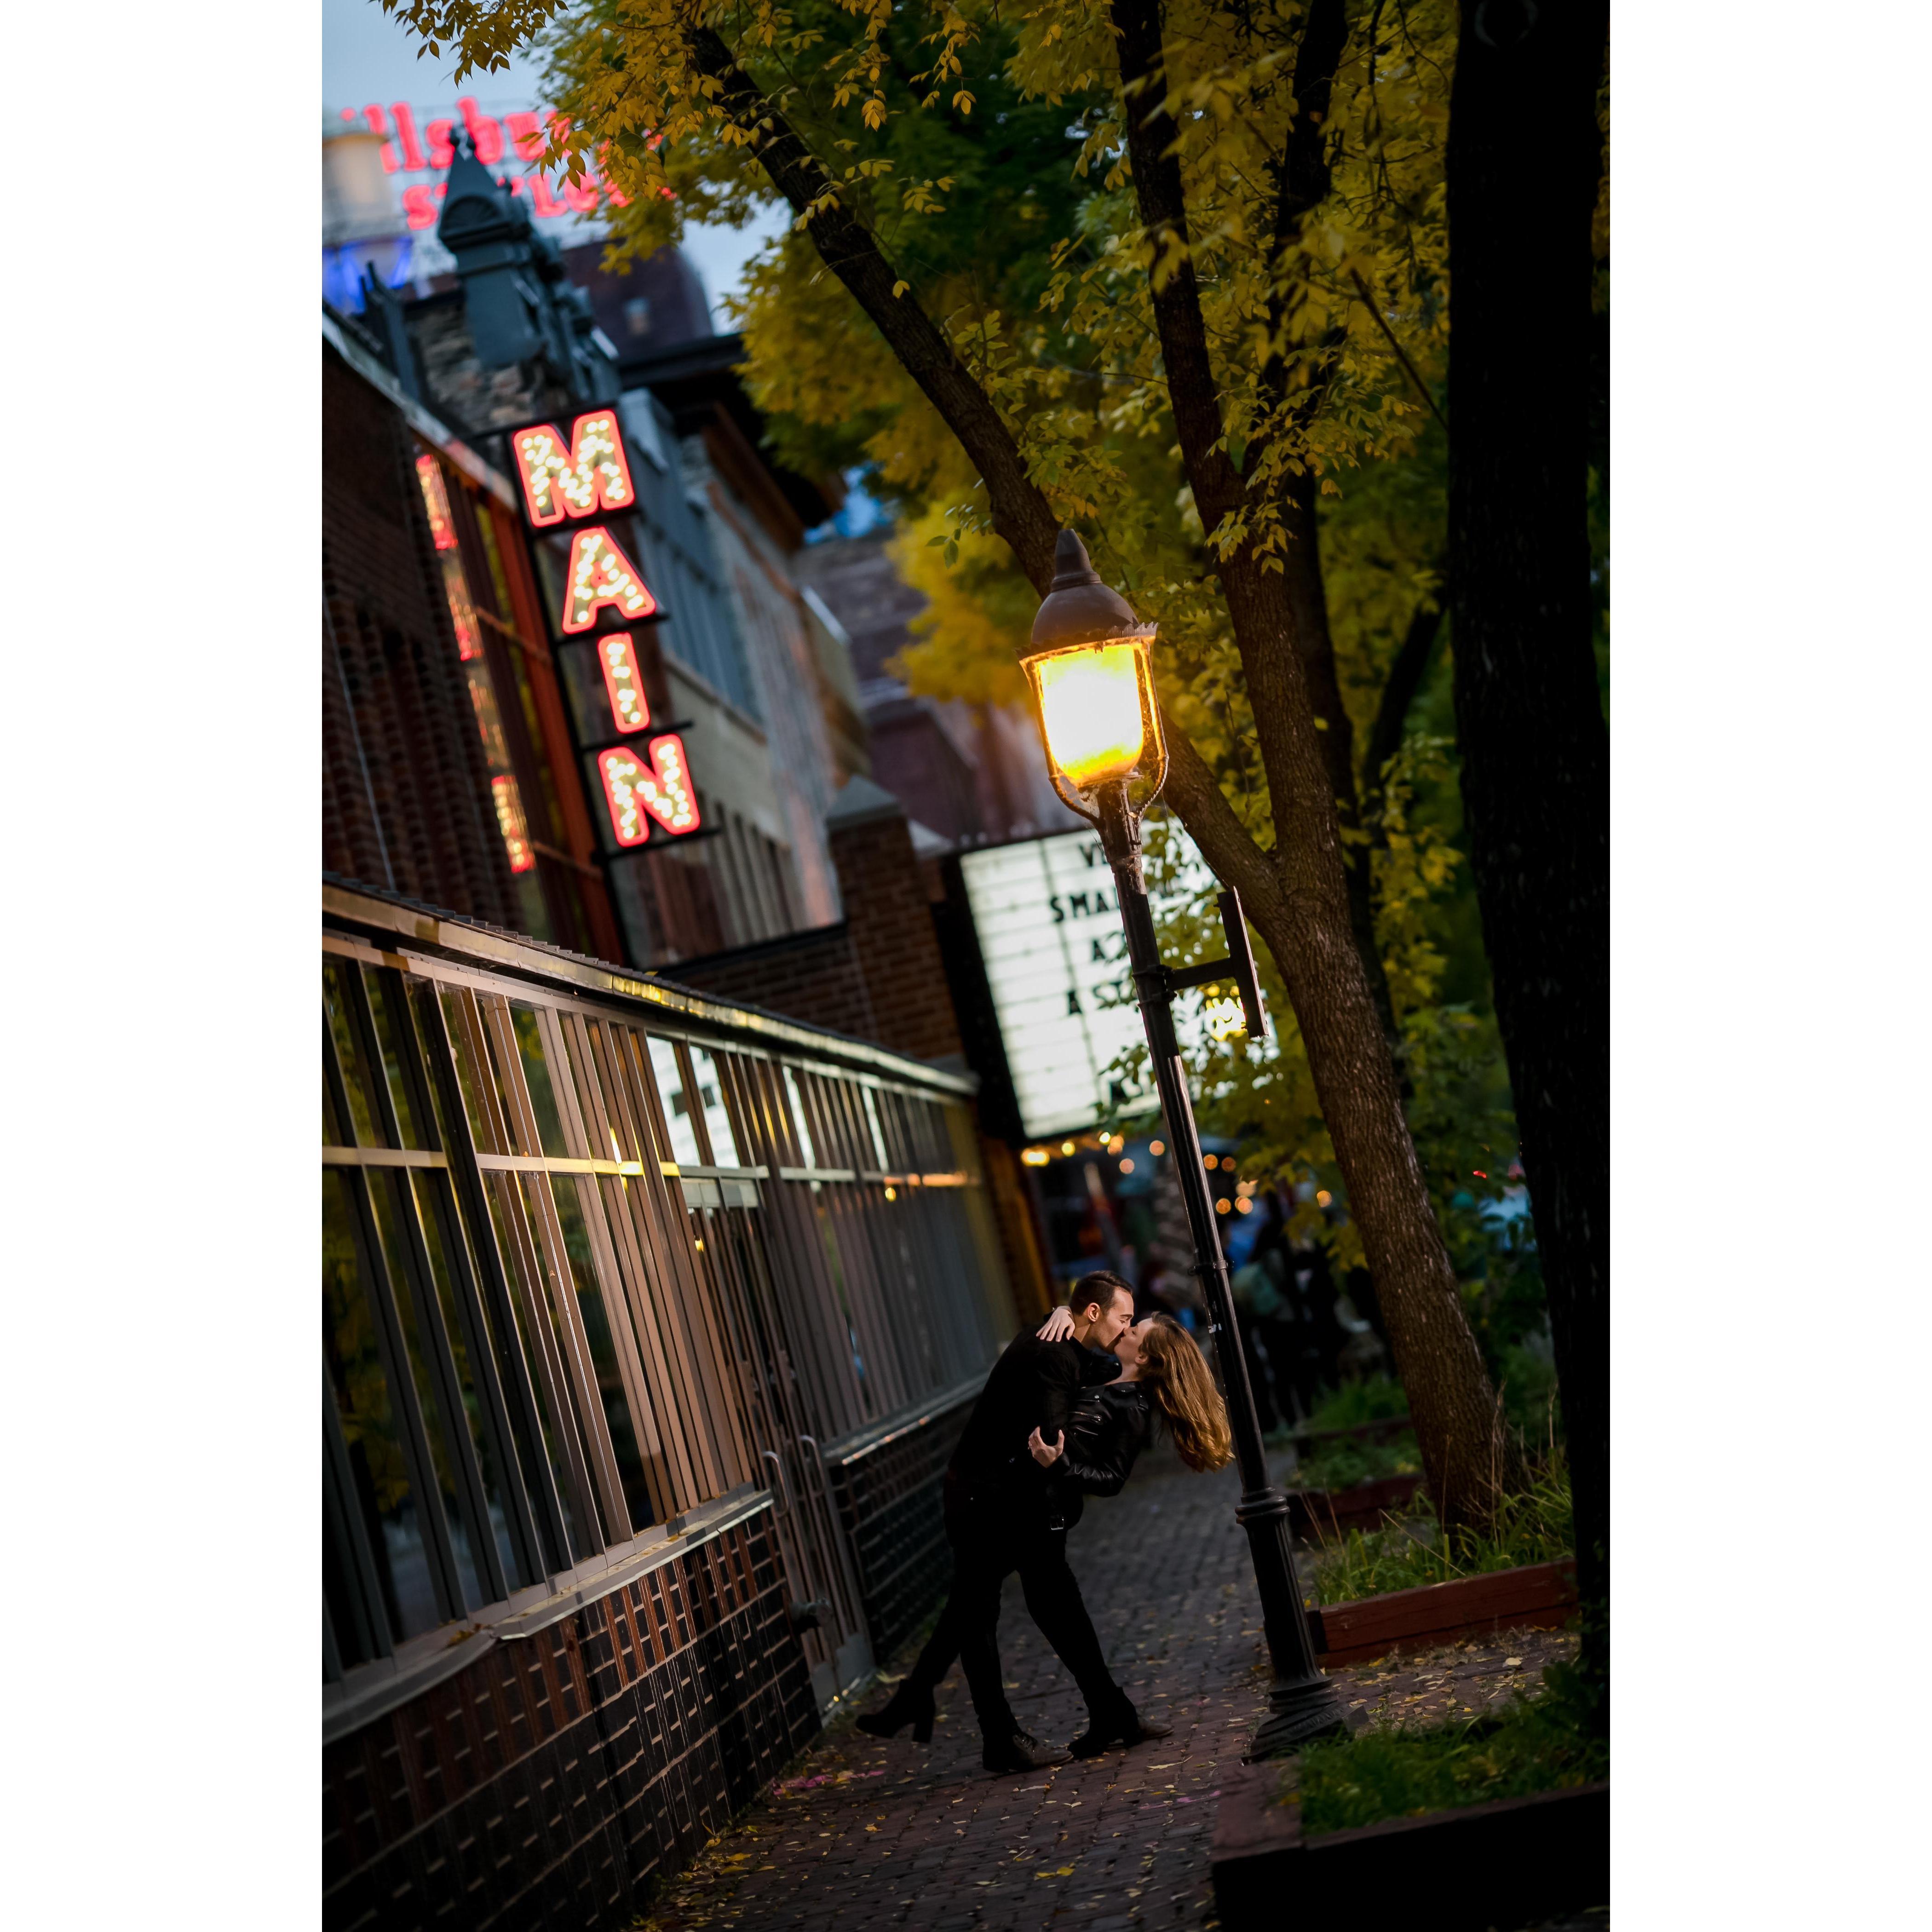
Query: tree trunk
[1523,163]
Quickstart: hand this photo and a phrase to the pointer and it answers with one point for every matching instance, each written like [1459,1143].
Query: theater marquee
[1049,932]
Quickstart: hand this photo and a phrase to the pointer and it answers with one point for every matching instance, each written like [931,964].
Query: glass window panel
[677,1108]
[594,1074]
[384,1186]
[365,1403]
[426,1186]
[536,1072]
[390,1019]
[331,1134]
[469,1077]
[717,1117]
[801,1122]
[503,1200]
[872,1121]
[603,1348]
[348,1053]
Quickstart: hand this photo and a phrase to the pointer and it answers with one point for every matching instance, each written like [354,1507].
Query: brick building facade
[405,797]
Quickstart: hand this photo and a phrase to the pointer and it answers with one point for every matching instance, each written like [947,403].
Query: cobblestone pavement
[866,1834]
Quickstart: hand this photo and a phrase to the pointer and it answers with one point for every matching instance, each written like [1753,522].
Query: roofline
[450,935]
[432,429]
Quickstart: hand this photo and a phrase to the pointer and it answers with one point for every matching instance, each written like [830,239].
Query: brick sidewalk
[866,1834]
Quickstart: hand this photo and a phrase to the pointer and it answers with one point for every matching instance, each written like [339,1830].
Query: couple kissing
[1064,1415]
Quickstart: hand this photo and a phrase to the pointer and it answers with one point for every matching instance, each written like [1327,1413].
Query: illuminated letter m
[594,475]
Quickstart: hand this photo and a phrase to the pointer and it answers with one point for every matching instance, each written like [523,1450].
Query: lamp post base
[1298,1714]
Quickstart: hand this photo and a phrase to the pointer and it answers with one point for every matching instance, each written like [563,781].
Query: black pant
[990,1542]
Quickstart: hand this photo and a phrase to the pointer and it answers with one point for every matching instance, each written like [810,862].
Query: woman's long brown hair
[1184,1392]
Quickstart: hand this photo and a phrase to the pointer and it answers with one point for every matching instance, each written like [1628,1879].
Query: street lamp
[1093,685]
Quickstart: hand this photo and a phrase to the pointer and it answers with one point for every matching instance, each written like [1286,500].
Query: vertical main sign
[566,482]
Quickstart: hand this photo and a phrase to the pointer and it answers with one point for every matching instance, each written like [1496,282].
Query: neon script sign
[407,150]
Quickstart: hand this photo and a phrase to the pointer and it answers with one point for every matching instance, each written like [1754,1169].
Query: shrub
[1372,1399]
[1341,1465]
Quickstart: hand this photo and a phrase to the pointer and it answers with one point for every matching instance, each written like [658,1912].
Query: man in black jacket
[1001,1516]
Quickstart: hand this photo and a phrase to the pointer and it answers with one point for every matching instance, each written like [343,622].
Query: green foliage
[1545,1743]
[1535,1526]
[1341,1465]
[1367,1398]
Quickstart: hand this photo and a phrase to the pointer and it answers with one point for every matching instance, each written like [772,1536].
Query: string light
[601,577]
[1156,1148]
[1127,1165]
[637,793]
[1322,1197]
[1035,1157]
[595,474]
[621,683]
[510,818]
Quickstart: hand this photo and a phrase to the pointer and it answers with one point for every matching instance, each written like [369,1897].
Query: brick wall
[879,976]
[890,1501]
[406,797]
[813,976]
[890,922]
[550,1782]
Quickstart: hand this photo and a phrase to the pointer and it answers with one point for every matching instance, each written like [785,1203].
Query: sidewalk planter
[1539,1596]
[1322,1516]
[1509,1863]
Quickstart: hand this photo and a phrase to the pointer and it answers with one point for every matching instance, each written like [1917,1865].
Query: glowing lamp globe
[1093,684]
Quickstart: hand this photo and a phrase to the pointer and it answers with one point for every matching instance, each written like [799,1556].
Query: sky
[367,55]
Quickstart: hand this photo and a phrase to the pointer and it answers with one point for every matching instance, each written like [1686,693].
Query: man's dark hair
[1100,1287]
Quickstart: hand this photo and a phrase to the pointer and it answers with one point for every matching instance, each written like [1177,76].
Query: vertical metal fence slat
[534,1515]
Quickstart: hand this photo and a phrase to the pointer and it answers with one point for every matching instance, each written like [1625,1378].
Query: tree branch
[1398,690]
[1152,137]
[1021,513]
[1302,177]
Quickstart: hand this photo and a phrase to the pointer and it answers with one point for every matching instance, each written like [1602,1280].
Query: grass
[1535,1526]
[1543,1744]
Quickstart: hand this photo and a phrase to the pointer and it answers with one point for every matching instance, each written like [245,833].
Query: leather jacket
[1108,1428]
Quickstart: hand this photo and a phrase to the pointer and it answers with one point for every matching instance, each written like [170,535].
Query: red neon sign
[601,577]
[637,793]
[622,684]
[594,475]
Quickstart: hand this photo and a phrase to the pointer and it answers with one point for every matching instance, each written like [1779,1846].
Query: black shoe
[1124,1726]
[1018,1752]
[911,1704]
